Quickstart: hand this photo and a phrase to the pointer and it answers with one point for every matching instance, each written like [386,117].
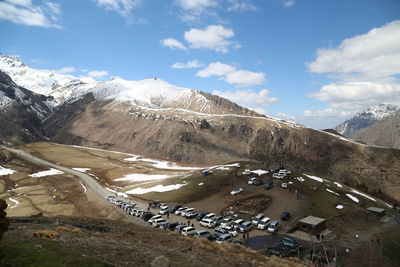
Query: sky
[316,62]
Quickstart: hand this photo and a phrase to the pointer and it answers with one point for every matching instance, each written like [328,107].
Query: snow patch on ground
[15,201]
[84,187]
[338,185]
[138,177]
[160,164]
[157,188]
[46,173]
[81,169]
[5,171]
[117,193]
[362,194]
[331,191]
[201,183]
[259,172]
[318,179]
[339,207]
[223,168]
[353,198]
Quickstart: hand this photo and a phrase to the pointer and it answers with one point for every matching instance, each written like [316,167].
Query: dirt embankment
[123,244]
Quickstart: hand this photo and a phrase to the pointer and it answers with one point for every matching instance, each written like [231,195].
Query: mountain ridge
[365,118]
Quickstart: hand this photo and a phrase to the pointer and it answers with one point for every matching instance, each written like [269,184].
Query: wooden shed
[311,224]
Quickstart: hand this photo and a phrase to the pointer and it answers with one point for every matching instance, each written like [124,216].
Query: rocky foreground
[67,240]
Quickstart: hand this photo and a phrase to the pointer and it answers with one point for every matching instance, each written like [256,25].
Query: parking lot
[216,204]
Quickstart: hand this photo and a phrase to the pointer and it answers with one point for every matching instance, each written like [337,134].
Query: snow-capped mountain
[22,112]
[366,118]
[45,82]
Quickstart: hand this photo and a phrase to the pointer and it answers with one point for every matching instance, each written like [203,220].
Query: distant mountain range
[365,118]
[154,118]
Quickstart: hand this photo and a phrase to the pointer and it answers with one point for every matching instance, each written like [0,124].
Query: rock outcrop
[4,222]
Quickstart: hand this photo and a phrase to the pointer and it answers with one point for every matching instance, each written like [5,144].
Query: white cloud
[376,53]
[213,37]
[365,68]
[249,98]
[122,7]
[173,44]
[26,13]
[97,73]
[66,70]
[215,68]
[231,75]
[197,5]
[289,3]
[245,78]
[237,5]
[194,64]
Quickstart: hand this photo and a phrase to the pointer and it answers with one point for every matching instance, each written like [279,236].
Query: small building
[377,211]
[311,224]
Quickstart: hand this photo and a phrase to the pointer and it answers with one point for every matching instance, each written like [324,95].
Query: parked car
[284,185]
[273,227]
[191,215]
[180,210]
[278,176]
[208,223]
[285,216]
[184,212]
[223,238]
[217,220]
[231,230]
[133,212]
[164,210]
[236,191]
[237,223]
[252,180]
[268,184]
[263,224]
[163,225]
[245,227]
[258,182]
[220,231]
[201,215]
[171,226]
[148,216]
[226,221]
[139,213]
[188,231]
[285,248]
[157,222]
[174,208]
[233,215]
[155,217]
[179,228]
[257,219]
[203,234]
[209,216]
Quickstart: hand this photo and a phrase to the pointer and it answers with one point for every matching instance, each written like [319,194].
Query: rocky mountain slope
[154,118]
[365,118]
[21,112]
[383,133]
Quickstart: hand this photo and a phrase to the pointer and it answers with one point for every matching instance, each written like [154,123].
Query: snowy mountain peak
[366,118]
[378,111]
[46,82]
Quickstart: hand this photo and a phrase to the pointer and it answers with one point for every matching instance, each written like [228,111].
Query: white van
[263,224]
[273,227]
[210,223]
[188,231]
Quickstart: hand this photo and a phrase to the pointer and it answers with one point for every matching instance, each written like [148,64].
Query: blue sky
[314,61]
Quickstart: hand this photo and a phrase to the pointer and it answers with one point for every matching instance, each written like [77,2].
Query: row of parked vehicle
[158,221]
